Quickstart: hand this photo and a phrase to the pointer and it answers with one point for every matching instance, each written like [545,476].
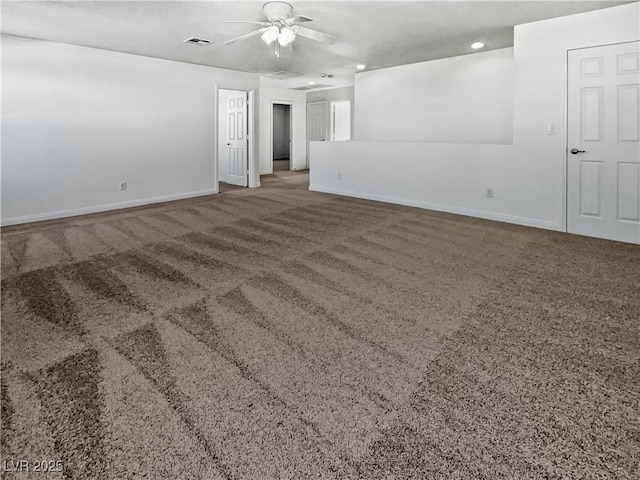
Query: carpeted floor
[281,164]
[278,333]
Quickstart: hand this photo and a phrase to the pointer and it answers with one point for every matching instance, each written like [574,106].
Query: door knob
[576,151]
[228,144]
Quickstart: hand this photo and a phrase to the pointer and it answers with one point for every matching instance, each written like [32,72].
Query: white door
[233,137]
[340,121]
[603,158]
[316,123]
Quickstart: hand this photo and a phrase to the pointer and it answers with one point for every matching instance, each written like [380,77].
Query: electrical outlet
[489,192]
[123,186]
[339,176]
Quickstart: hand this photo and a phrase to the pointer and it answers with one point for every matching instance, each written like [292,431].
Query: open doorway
[281,136]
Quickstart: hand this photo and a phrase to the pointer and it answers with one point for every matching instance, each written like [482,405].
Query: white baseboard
[469,212]
[39,217]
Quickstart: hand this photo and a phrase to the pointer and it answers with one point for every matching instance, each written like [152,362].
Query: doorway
[603,142]
[281,136]
[233,145]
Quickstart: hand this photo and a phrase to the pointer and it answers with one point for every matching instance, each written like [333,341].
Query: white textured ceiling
[380,34]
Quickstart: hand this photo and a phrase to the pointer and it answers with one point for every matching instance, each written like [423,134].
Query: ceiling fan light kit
[281,26]
[286,36]
[270,34]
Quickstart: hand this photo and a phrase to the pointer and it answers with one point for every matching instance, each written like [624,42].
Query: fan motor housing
[277,10]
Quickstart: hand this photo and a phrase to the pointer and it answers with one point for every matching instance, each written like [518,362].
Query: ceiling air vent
[282,74]
[311,87]
[198,41]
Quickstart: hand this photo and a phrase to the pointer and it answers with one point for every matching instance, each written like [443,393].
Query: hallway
[278,179]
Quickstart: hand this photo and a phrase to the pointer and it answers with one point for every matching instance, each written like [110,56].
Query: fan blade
[247,21]
[246,35]
[298,19]
[314,34]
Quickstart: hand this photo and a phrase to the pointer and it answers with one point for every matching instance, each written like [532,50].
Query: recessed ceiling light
[311,82]
[362,66]
[477,45]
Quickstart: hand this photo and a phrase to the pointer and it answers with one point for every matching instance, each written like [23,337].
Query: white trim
[469,212]
[216,158]
[38,217]
[564,202]
[251,107]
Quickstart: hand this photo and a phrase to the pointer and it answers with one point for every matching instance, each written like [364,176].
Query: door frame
[253,180]
[281,102]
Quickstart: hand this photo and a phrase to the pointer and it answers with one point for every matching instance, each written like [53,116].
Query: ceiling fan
[282,27]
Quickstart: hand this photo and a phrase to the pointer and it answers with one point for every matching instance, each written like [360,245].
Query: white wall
[465,99]
[541,91]
[528,177]
[298,114]
[76,121]
[437,176]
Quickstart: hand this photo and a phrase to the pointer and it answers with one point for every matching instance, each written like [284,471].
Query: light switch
[552,129]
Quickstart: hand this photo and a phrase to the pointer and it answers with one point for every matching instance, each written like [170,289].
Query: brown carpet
[281,164]
[278,333]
